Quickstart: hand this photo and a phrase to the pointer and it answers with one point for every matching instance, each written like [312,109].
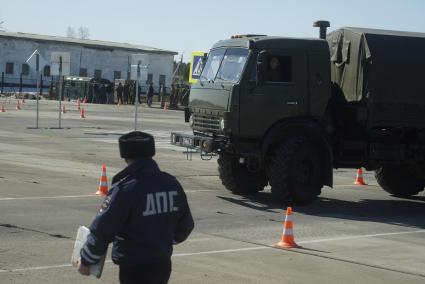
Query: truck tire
[237,178]
[295,172]
[400,181]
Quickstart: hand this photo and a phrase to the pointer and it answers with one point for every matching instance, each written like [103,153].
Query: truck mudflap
[207,146]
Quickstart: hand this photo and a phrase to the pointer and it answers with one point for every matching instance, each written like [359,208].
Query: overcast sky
[188,25]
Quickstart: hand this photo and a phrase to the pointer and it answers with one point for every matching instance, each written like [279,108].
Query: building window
[98,74]
[9,68]
[46,70]
[25,69]
[83,72]
[162,79]
[150,78]
[117,74]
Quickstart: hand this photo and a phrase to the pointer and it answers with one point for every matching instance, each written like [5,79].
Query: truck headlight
[191,121]
[222,124]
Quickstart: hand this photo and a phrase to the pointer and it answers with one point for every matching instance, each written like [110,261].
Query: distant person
[96,91]
[126,92]
[136,94]
[149,95]
[109,93]
[173,96]
[120,90]
[132,92]
[145,213]
[102,94]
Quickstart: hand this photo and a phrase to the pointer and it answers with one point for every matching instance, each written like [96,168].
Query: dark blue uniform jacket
[145,212]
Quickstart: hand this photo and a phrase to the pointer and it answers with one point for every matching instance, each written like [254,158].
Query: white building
[88,58]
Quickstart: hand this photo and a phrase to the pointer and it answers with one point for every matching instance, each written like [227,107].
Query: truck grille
[206,123]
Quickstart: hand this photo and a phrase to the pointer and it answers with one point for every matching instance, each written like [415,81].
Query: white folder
[82,234]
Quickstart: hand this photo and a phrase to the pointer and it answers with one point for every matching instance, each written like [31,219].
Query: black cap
[136,145]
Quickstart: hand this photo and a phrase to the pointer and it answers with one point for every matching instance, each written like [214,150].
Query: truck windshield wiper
[222,79]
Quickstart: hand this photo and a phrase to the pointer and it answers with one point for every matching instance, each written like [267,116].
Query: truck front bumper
[206,144]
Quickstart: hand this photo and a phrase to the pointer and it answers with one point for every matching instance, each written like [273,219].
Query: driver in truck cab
[274,73]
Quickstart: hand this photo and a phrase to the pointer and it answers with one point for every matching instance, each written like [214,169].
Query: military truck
[287,111]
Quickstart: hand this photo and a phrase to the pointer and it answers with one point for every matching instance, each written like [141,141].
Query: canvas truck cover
[385,69]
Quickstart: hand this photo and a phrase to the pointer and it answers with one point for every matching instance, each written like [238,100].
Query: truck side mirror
[204,59]
[261,67]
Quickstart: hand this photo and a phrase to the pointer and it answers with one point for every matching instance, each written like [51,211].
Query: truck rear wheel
[295,172]
[400,181]
[237,178]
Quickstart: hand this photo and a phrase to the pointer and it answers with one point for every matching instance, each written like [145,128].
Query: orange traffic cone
[359,178]
[103,184]
[2,109]
[287,240]
[63,109]
[82,113]
[78,104]
[18,105]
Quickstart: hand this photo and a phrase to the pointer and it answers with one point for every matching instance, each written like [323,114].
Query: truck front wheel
[237,178]
[400,181]
[295,172]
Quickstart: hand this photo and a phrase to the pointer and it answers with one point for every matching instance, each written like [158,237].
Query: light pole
[37,69]
[136,100]
[60,91]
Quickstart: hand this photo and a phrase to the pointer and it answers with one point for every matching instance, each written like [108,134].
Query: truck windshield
[225,64]
[213,64]
[232,65]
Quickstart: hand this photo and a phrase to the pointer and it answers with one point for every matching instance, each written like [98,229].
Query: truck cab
[239,96]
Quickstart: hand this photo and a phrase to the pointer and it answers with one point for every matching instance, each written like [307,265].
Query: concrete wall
[108,60]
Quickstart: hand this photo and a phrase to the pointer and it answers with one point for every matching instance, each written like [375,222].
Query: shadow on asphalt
[404,211]
[261,201]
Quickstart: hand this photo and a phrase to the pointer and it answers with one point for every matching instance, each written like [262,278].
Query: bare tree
[70,32]
[83,32]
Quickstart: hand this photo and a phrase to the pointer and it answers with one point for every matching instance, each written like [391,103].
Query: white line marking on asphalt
[219,251]
[361,237]
[80,196]
[226,250]
[37,268]
[48,197]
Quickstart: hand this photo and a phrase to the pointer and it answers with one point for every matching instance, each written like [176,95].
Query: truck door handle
[291,103]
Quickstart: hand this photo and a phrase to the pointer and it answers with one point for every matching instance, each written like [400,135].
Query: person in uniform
[274,73]
[150,95]
[126,92]
[144,214]
[120,90]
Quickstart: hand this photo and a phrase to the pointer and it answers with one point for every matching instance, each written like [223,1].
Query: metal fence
[10,84]
[84,88]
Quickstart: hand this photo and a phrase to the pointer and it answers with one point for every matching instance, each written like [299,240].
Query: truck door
[283,95]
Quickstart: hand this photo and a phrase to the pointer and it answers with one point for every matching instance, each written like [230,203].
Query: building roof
[89,43]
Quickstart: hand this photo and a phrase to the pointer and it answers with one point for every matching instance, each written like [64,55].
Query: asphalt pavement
[48,177]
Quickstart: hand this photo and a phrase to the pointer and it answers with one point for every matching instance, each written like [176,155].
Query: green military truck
[287,111]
